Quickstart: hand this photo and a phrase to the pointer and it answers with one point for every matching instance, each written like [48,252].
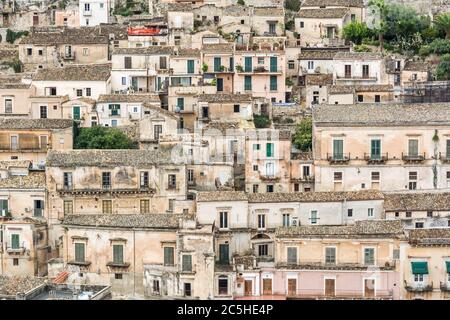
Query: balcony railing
[340,294]
[69,56]
[338,158]
[382,264]
[445,286]
[376,158]
[303,179]
[102,189]
[445,158]
[87,13]
[419,157]
[418,286]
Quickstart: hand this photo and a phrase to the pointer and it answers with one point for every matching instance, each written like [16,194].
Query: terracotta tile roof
[430,236]
[417,201]
[317,54]
[152,221]
[185,52]
[318,79]
[10,286]
[118,30]
[179,7]
[345,89]
[417,66]
[138,97]
[80,72]
[343,55]
[225,98]
[341,89]
[382,114]
[153,50]
[334,3]
[15,164]
[30,124]
[365,229]
[322,13]
[337,196]
[268,11]
[218,48]
[55,36]
[109,158]
[221,196]
[34,180]
[236,11]
[268,134]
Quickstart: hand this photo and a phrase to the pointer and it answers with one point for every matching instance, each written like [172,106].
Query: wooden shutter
[168,256]
[292,255]
[15,241]
[273,64]
[28,141]
[118,253]
[187,262]
[79,252]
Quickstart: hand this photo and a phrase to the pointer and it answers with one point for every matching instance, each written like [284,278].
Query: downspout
[134,261]
[1,226]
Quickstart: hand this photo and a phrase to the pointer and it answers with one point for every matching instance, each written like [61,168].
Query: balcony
[87,13]
[303,264]
[342,158]
[118,265]
[413,158]
[259,69]
[269,177]
[17,250]
[445,286]
[303,179]
[445,158]
[419,287]
[376,159]
[318,294]
[69,56]
[71,190]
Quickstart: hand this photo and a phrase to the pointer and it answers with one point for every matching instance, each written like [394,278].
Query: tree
[99,137]
[443,69]
[356,32]
[442,22]
[293,5]
[261,121]
[303,135]
[241,2]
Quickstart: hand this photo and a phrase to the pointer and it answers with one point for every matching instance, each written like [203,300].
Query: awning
[419,267]
[447,263]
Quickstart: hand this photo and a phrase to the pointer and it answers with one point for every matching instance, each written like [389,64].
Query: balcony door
[375,149]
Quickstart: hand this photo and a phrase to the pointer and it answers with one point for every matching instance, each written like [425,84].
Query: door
[223,254]
[248,284]
[292,287]
[330,32]
[205,112]
[187,289]
[134,83]
[76,113]
[330,287]
[369,288]
[35,20]
[219,84]
[267,286]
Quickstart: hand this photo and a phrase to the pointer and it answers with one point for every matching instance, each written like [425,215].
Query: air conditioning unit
[294,221]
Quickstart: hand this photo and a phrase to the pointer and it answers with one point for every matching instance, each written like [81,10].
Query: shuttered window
[338,149]
[79,252]
[68,207]
[168,256]
[248,64]
[15,241]
[292,255]
[118,253]
[248,83]
[187,263]
[217,64]
[145,206]
[190,66]
[127,62]
[269,149]
[413,147]
[273,83]
[273,64]
[3,207]
[375,149]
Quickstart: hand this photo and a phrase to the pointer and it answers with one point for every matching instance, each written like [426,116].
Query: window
[68,207]
[237,108]
[412,183]
[79,92]
[187,263]
[360,98]
[106,180]
[273,64]
[375,149]
[248,64]
[79,252]
[76,113]
[217,64]
[190,66]
[223,286]
[223,219]
[107,206]
[377,98]
[88,92]
[157,130]
[286,219]
[180,103]
[67,180]
[313,217]
[353,17]
[296,187]
[396,254]
[114,109]
[87,7]
[187,289]
[365,70]
[306,171]
[172,181]
[263,250]
[127,62]
[261,221]
[40,52]
[255,188]
[338,149]
[8,105]
[163,63]
[413,147]
[269,149]
[14,142]
[369,256]
[85,51]
[29,51]
[124,81]
[118,276]
[270,172]
[397,214]
[15,261]
[291,64]
[375,175]
[15,241]
[291,255]
[337,176]
[349,213]
[418,277]
[269,188]
[224,257]
[257,146]
[3,208]
[247,83]
[302,24]
[310,65]
[190,175]
[43,112]
[370,212]
[143,179]
[145,206]
[38,208]
[330,255]
[408,214]
[255,167]
[231,64]
[118,253]
[419,225]
[272,28]
[348,71]
[429,214]
[169,256]
[273,83]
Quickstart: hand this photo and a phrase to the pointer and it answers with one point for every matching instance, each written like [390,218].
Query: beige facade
[15,100]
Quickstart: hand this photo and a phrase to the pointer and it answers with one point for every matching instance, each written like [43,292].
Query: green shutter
[187,262]
[413,147]
[76,113]
[15,241]
[180,103]
[79,252]
[448,148]
[118,253]
[168,256]
[419,267]
[217,64]
[3,207]
[248,64]
[273,64]
[375,149]
[338,149]
[190,66]
[248,83]
[447,264]
[224,254]
[292,255]
[269,149]
[273,83]
[231,64]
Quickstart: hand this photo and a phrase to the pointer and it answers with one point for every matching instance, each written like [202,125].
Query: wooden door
[369,288]
[330,287]
[35,20]
[267,286]
[292,287]
[248,284]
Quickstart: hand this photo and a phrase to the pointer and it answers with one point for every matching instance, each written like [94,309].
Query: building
[359,68]
[94,12]
[391,147]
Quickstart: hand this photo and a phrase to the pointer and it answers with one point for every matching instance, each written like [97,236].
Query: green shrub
[99,137]
[261,121]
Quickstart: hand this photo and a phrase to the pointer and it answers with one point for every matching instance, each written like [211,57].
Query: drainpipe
[134,261]
[1,227]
